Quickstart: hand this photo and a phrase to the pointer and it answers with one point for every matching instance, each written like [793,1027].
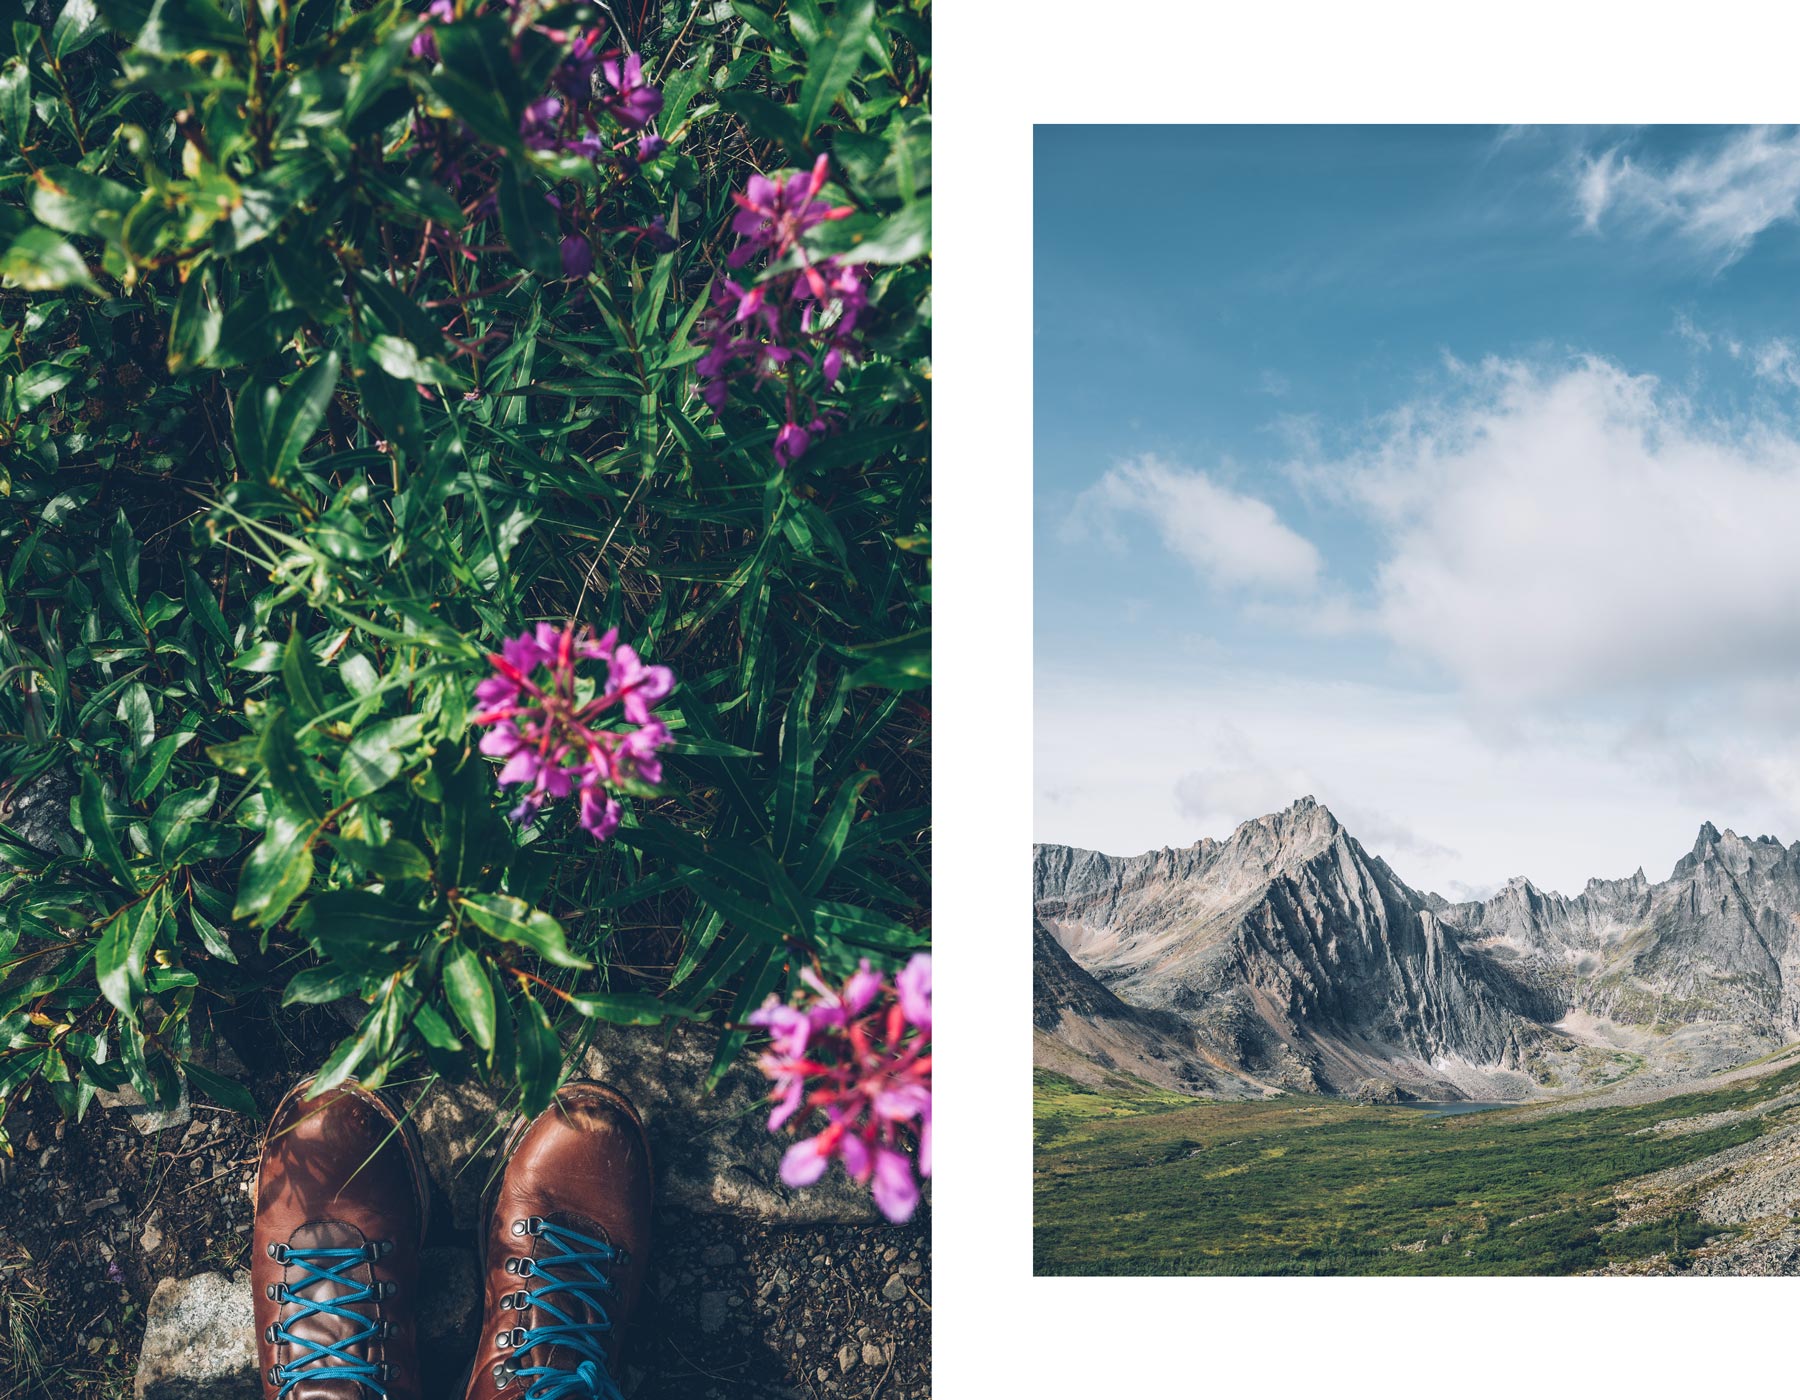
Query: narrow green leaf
[289,769]
[832,60]
[513,920]
[92,801]
[227,1093]
[470,993]
[540,1058]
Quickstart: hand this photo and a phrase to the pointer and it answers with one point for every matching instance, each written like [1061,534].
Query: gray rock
[39,812]
[199,1341]
[712,1311]
[712,1148]
[146,1118]
[894,1290]
[847,1357]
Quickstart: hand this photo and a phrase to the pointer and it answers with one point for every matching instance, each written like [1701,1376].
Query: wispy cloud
[1233,541]
[1720,199]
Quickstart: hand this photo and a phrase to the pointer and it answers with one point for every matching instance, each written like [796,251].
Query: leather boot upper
[579,1172]
[340,1216]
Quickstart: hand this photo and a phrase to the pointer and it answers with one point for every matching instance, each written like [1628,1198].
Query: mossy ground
[1147,1183]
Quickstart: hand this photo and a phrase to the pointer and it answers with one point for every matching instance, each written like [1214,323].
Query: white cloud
[1721,198]
[1551,536]
[1232,540]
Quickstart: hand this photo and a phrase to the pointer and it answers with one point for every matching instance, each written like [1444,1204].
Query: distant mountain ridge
[1299,960]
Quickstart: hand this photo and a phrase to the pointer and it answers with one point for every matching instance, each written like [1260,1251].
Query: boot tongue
[316,1381]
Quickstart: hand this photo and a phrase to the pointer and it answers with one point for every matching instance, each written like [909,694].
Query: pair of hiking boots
[341,1209]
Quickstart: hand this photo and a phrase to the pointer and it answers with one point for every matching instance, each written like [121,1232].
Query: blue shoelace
[329,1360]
[576,1269]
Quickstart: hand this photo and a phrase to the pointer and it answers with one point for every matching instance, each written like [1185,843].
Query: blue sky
[1450,473]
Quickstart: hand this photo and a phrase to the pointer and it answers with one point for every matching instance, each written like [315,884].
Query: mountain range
[1290,958]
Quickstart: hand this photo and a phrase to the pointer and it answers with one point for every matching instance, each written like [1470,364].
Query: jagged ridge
[1301,959]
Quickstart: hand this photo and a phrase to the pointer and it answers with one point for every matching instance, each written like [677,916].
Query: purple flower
[552,742]
[854,1054]
[791,443]
[631,100]
[577,256]
[895,1191]
[914,986]
[650,146]
[636,685]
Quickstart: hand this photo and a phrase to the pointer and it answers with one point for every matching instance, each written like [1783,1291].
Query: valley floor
[1702,1178]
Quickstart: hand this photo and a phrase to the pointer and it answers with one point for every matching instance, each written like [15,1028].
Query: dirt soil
[93,1215]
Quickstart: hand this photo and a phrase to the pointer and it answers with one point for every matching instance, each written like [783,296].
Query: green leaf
[289,769]
[119,960]
[176,814]
[470,836]
[42,261]
[394,860]
[816,865]
[540,1058]
[374,758]
[513,920]
[470,993]
[529,224]
[361,931]
[227,1093]
[794,780]
[92,804]
[349,1054]
[135,714]
[832,60]
[278,871]
[195,323]
[767,121]
[620,1008]
[211,936]
[154,766]
[317,985]
[302,410]
[479,82]
[203,606]
[77,26]
[15,99]
[304,682]
[178,27]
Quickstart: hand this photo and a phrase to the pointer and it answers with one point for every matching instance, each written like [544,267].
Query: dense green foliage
[291,437]
[1142,1184]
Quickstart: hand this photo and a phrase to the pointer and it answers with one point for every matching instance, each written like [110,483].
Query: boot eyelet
[269,1334]
[622,1256]
[387,1371]
[274,1375]
[530,1225]
[389,1289]
[273,1293]
[279,1253]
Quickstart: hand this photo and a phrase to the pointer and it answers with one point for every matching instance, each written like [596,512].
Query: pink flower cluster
[544,719]
[586,84]
[802,315]
[861,1054]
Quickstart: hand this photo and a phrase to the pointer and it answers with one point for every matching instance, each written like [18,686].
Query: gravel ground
[93,1215]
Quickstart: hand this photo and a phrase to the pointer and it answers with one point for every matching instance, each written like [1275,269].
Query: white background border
[1001,66]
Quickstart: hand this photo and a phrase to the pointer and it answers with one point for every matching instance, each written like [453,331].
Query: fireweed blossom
[545,722]
[596,104]
[803,316]
[861,1055]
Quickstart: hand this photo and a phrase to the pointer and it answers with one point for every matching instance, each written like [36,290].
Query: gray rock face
[39,811]
[199,1341]
[713,1150]
[1304,961]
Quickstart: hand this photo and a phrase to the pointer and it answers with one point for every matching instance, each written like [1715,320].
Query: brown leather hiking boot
[564,1249]
[341,1202]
